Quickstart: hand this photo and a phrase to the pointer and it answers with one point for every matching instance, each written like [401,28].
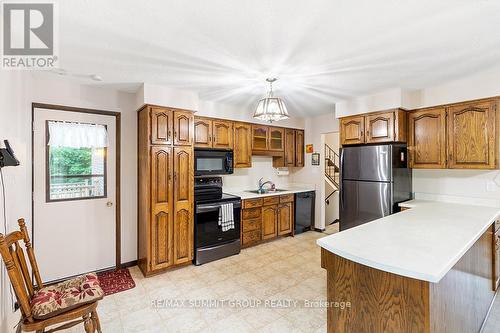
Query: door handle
[109,204]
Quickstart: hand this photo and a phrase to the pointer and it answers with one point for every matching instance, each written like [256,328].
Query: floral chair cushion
[53,300]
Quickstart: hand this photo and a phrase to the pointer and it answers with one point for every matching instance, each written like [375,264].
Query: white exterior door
[74,193]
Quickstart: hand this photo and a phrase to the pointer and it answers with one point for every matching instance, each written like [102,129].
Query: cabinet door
[289,147]
[352,130]
[427,138]
[202,132]
[242,145]
[223,134]
[299,148]
[183,128]
[161,208]
[269,222]
[161,126]
[496,260]
[472,135]
[379,127]
[276,139]
[260,137]
[285,218]
[183,204]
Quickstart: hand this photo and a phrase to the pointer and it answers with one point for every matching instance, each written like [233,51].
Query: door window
[76,161]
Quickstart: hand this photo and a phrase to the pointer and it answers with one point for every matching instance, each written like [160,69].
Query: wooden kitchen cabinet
[183,204]
[290,157]
[260,137]
[242,145]
[161,125]
[473,135]
[183,128]
[299,148]
[165,188]
[496,256]
[161,208]
[222,134]
[276,139]
[427,138]
[379,127]
[269,221]
[376,127]
[266,218]
[285,218]
[352,130]
[202,132]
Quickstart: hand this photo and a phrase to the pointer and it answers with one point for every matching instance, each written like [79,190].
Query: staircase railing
[332,162]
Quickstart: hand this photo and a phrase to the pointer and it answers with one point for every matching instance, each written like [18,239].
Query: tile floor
[281,270]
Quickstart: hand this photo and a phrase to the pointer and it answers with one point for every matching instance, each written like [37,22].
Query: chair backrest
[17,268]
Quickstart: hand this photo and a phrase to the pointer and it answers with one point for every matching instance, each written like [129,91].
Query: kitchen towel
[226,218]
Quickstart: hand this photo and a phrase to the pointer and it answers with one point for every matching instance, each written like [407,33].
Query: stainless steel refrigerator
[374,179]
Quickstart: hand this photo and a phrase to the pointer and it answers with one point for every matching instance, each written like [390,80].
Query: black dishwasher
[304,211]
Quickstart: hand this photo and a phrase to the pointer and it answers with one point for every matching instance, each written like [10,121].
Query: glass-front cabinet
[260,137]
[276,139]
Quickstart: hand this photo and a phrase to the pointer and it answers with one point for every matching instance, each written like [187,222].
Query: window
[76,161]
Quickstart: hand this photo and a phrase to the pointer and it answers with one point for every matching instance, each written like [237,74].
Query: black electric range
[210,242]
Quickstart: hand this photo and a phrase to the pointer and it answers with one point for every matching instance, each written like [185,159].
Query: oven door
[213,162]
[207,229]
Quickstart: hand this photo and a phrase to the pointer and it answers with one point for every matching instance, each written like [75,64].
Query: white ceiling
[321,50]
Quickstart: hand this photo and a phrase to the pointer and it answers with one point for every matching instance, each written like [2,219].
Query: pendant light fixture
[271,108]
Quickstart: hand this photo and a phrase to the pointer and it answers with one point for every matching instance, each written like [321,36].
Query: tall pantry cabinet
[165,188]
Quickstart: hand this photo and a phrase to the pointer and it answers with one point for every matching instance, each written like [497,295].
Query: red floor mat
[113,282]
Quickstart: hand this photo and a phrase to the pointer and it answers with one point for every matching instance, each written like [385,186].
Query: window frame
[47,169]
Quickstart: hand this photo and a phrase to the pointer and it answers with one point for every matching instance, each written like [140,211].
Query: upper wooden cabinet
[377,127]
[276,138]
[183,128]
[222,134]
[260,137]
[242,145]
[290,147]
[299,148]
[455,136]
[380,127]
[213,133]
[352,130]
[285,145]
[427,138]
[472,135]
[202,132]
[161,126]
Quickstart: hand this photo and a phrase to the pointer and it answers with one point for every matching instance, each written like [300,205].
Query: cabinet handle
[210,138]
[175,134]
[169,133]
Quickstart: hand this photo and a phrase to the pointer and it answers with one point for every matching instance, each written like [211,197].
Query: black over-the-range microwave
[212,162]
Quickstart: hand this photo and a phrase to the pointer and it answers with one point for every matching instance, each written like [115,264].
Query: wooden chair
[19,275]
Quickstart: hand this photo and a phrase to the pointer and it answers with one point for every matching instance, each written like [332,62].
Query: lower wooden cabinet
[269,221]
[266,218]
[496,255]
[285,218]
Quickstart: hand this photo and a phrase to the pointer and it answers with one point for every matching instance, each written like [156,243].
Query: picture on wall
[315,159]
[309,149]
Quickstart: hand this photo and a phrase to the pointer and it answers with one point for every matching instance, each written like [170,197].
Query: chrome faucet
[262,183]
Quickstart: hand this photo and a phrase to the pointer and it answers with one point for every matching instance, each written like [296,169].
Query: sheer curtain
[77,135]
